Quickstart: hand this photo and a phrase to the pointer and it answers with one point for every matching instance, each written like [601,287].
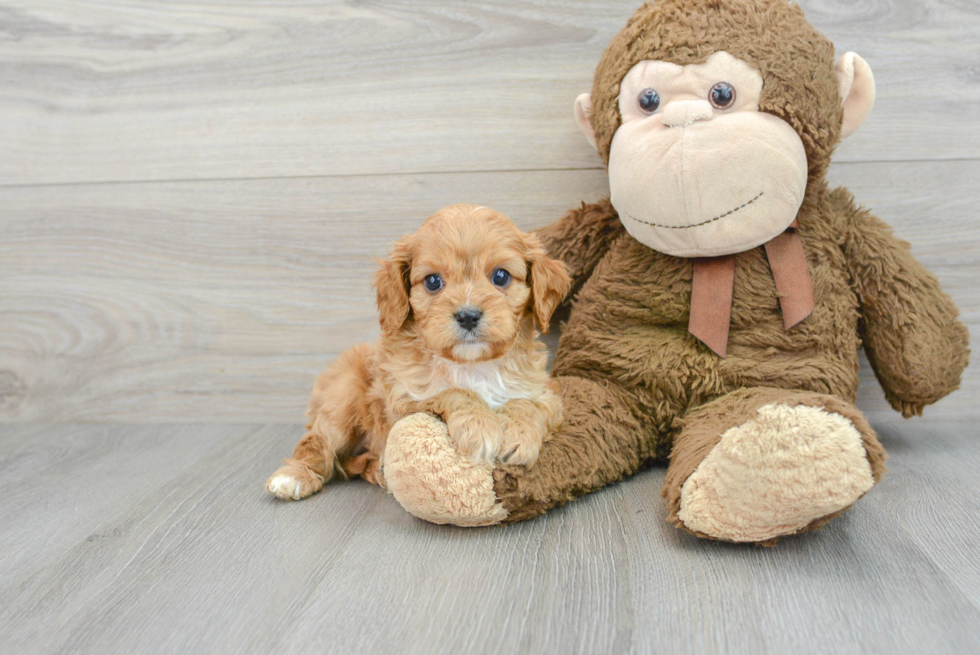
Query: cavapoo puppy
[459,300]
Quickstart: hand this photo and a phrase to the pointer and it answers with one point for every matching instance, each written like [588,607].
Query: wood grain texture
[932,491]
[221,301]
[190,198]
[97,92]
[159,539]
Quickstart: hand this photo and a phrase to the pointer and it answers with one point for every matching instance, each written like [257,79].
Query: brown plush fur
[796,62]
[631,375]
[489,385]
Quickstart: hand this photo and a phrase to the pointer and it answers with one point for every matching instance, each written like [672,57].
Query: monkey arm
[916,346]
[581,238]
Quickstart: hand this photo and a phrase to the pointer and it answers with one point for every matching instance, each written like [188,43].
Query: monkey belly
[628,326]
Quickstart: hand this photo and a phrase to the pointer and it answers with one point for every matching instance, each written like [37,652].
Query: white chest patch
[482,378]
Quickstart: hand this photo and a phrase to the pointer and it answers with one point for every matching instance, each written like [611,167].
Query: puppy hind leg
[312,464]
[339,412]
[367,466]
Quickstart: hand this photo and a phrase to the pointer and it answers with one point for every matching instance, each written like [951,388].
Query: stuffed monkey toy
[720,295]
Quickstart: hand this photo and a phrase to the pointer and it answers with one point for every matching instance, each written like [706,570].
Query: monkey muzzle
[708,185]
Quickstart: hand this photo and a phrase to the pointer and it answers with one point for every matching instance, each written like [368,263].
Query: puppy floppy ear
[393,285]
[549,282]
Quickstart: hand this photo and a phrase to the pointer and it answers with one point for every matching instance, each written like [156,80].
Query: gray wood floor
[160,539]
[191,194]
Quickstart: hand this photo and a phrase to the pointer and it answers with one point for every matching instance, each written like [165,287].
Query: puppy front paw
[523,452]
[523,434]
[521,442]
[477,435]
[293,482]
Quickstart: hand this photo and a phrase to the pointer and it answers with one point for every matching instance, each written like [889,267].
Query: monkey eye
[432,283]
[722,95]
[500,278]
[649,101]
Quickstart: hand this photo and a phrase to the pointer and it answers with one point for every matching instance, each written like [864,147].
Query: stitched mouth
[710,220]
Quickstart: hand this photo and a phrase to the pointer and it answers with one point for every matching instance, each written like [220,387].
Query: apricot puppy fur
[458,302]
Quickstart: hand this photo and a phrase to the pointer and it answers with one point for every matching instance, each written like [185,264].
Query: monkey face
[695,169]
[712,115]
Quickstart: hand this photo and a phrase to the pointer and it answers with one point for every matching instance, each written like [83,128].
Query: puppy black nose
[468,318]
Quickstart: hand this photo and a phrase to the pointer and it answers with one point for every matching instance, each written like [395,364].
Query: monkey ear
[583,116]
[393,285]
[857,91]
[549,281]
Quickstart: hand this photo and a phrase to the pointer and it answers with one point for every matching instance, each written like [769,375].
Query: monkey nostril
[468,318]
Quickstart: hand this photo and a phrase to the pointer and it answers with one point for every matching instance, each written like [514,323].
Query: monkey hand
[433,480]
[919,362]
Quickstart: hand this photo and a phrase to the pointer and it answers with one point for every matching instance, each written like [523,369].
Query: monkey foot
[433,481]
[787,469]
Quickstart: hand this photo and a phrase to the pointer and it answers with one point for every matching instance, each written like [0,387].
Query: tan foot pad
[776,474]
[426,474]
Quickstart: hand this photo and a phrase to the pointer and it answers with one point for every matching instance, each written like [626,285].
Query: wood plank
[94,92]
[931,490]
[193,557]
[857,586]
[255,573]
[221,301]
[90,473]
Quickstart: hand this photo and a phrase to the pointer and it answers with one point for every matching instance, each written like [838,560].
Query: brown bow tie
[714,282]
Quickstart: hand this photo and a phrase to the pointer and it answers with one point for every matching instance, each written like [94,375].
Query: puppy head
[468,282]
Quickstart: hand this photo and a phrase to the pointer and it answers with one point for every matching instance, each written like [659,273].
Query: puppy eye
[500,277]
[649,101]
[722,95]
[432,282]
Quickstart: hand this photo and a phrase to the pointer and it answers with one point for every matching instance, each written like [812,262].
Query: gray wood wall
[191,194]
